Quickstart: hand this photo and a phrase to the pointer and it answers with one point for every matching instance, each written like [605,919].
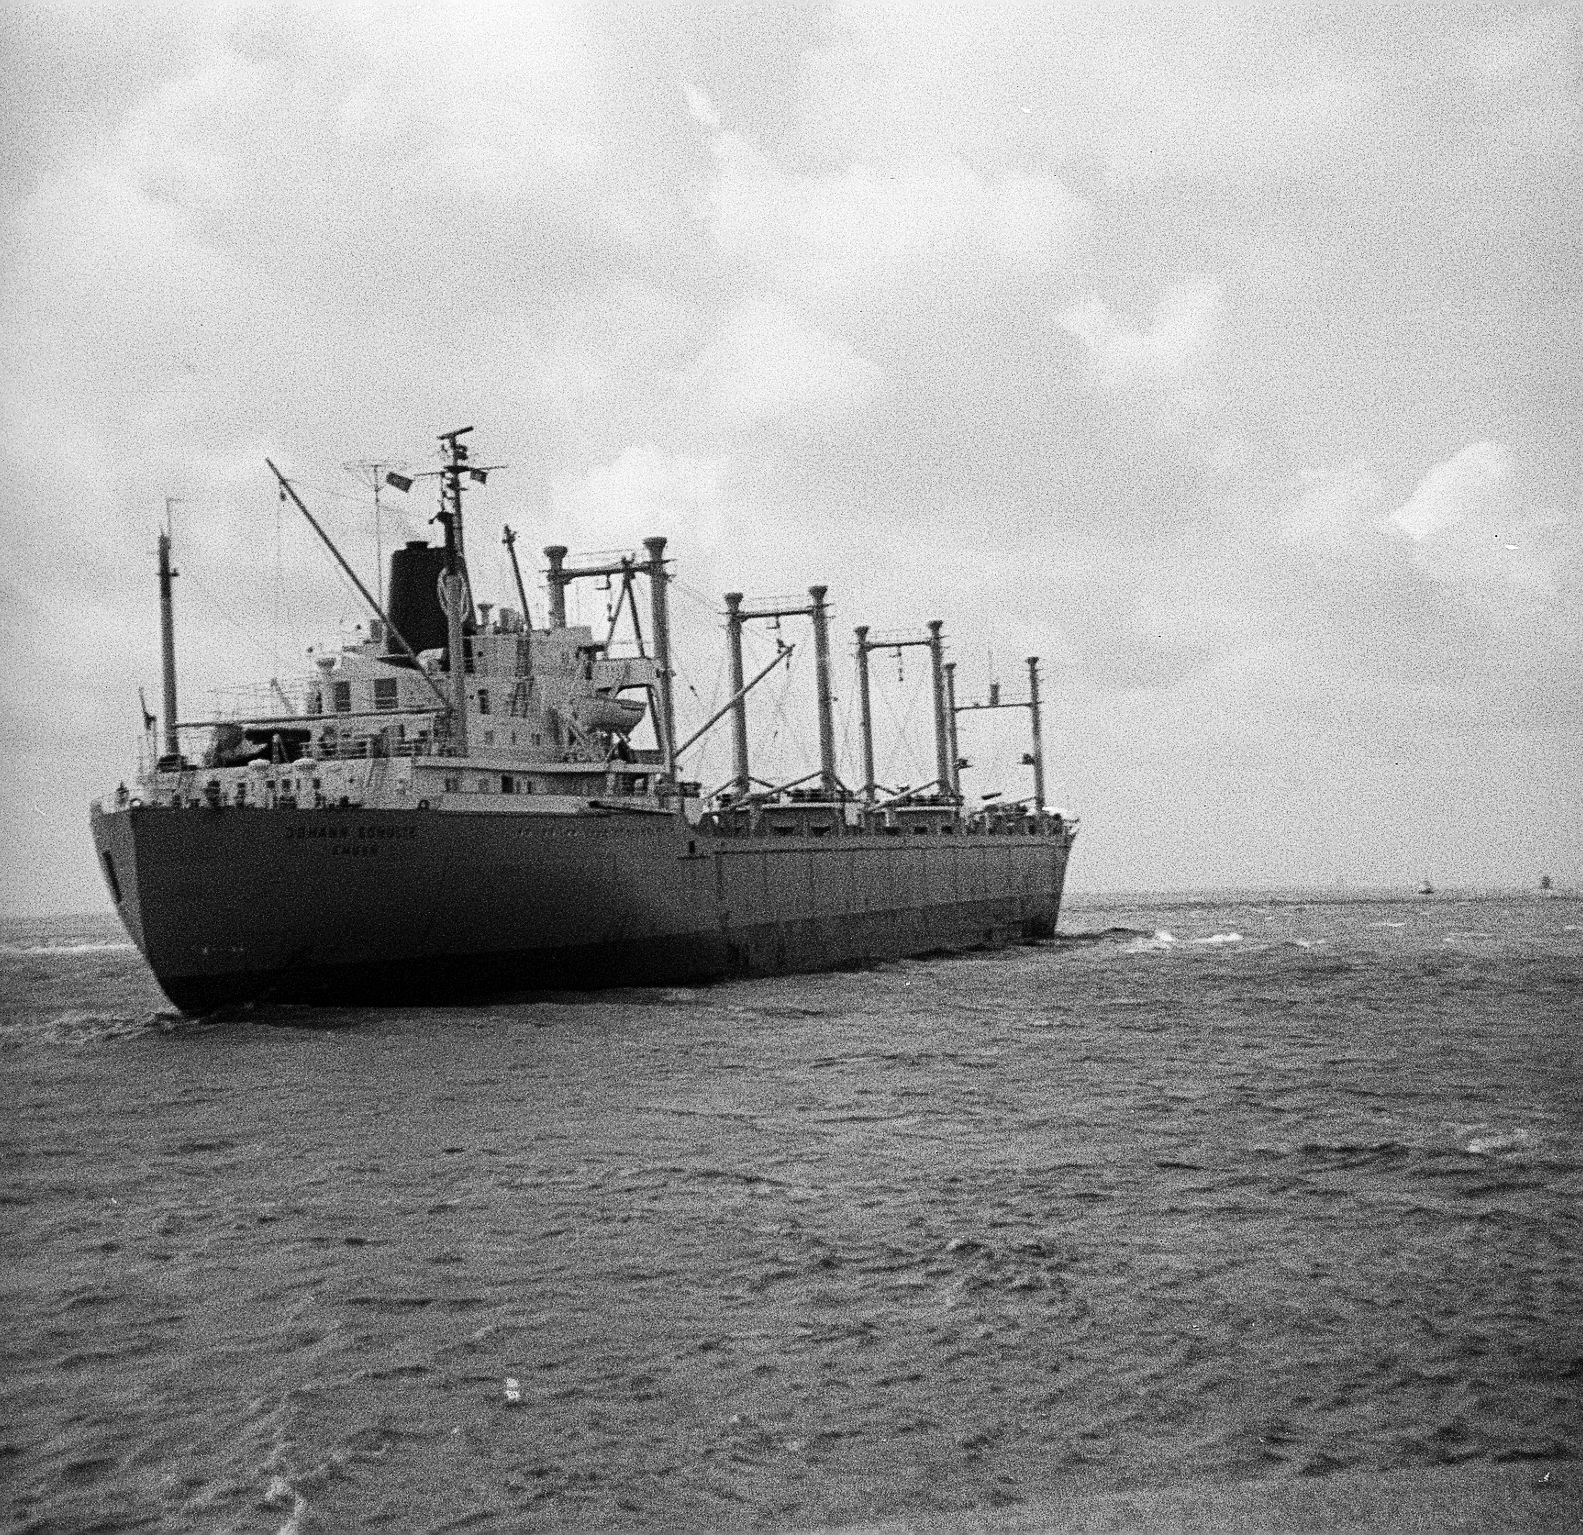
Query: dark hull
[365,906]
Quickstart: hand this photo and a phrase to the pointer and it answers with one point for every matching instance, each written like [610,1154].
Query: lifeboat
[604,711]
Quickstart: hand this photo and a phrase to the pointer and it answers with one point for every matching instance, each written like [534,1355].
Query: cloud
[1224,97]
[1464,527]
[1169,360]
[1456,494]
[1202,123]
[1127,336]
[645,490]
[1331,507]
[767,366]
[887,232]
[701,108]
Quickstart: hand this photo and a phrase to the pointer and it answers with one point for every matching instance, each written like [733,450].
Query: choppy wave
[1161,941]
[801,1252]
[1102,935]
[79,1027]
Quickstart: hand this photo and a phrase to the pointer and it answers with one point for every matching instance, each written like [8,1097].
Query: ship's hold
[414,605]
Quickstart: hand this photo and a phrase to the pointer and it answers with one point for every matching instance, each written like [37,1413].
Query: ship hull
[358,906]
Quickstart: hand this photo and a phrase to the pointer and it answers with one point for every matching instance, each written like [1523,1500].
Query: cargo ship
[452,806]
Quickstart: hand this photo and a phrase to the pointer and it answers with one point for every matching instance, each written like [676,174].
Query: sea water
[1215,1189]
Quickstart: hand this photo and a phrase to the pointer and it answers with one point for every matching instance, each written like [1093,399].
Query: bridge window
[483,700]
[341,694]
[508,784]
[384,693]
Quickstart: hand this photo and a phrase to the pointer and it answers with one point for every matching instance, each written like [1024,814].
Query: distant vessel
[452,805]
[1544,882]
[1426,888]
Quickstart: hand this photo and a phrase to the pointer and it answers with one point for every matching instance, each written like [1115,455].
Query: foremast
[455,597]
[167,640]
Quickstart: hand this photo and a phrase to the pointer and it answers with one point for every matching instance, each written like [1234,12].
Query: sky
[1226,357]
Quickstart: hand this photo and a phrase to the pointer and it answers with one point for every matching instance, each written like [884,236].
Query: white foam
[76,1027]
[1157,942]
[1217,938]
[277,1493]
[65,948]
[1497,1140]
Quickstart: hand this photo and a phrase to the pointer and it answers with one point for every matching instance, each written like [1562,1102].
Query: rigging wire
[796,744]
[324,490]
[847,752]
[705,745]
[697,597]
[279,582]
[901,746]
[348,586]
[197,588]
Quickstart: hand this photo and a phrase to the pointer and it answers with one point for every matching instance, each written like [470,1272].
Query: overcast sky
[1227,357]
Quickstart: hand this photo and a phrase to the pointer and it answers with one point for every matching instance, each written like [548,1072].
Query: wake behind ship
[452,806]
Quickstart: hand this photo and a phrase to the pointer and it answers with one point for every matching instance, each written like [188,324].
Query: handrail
[324,717]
